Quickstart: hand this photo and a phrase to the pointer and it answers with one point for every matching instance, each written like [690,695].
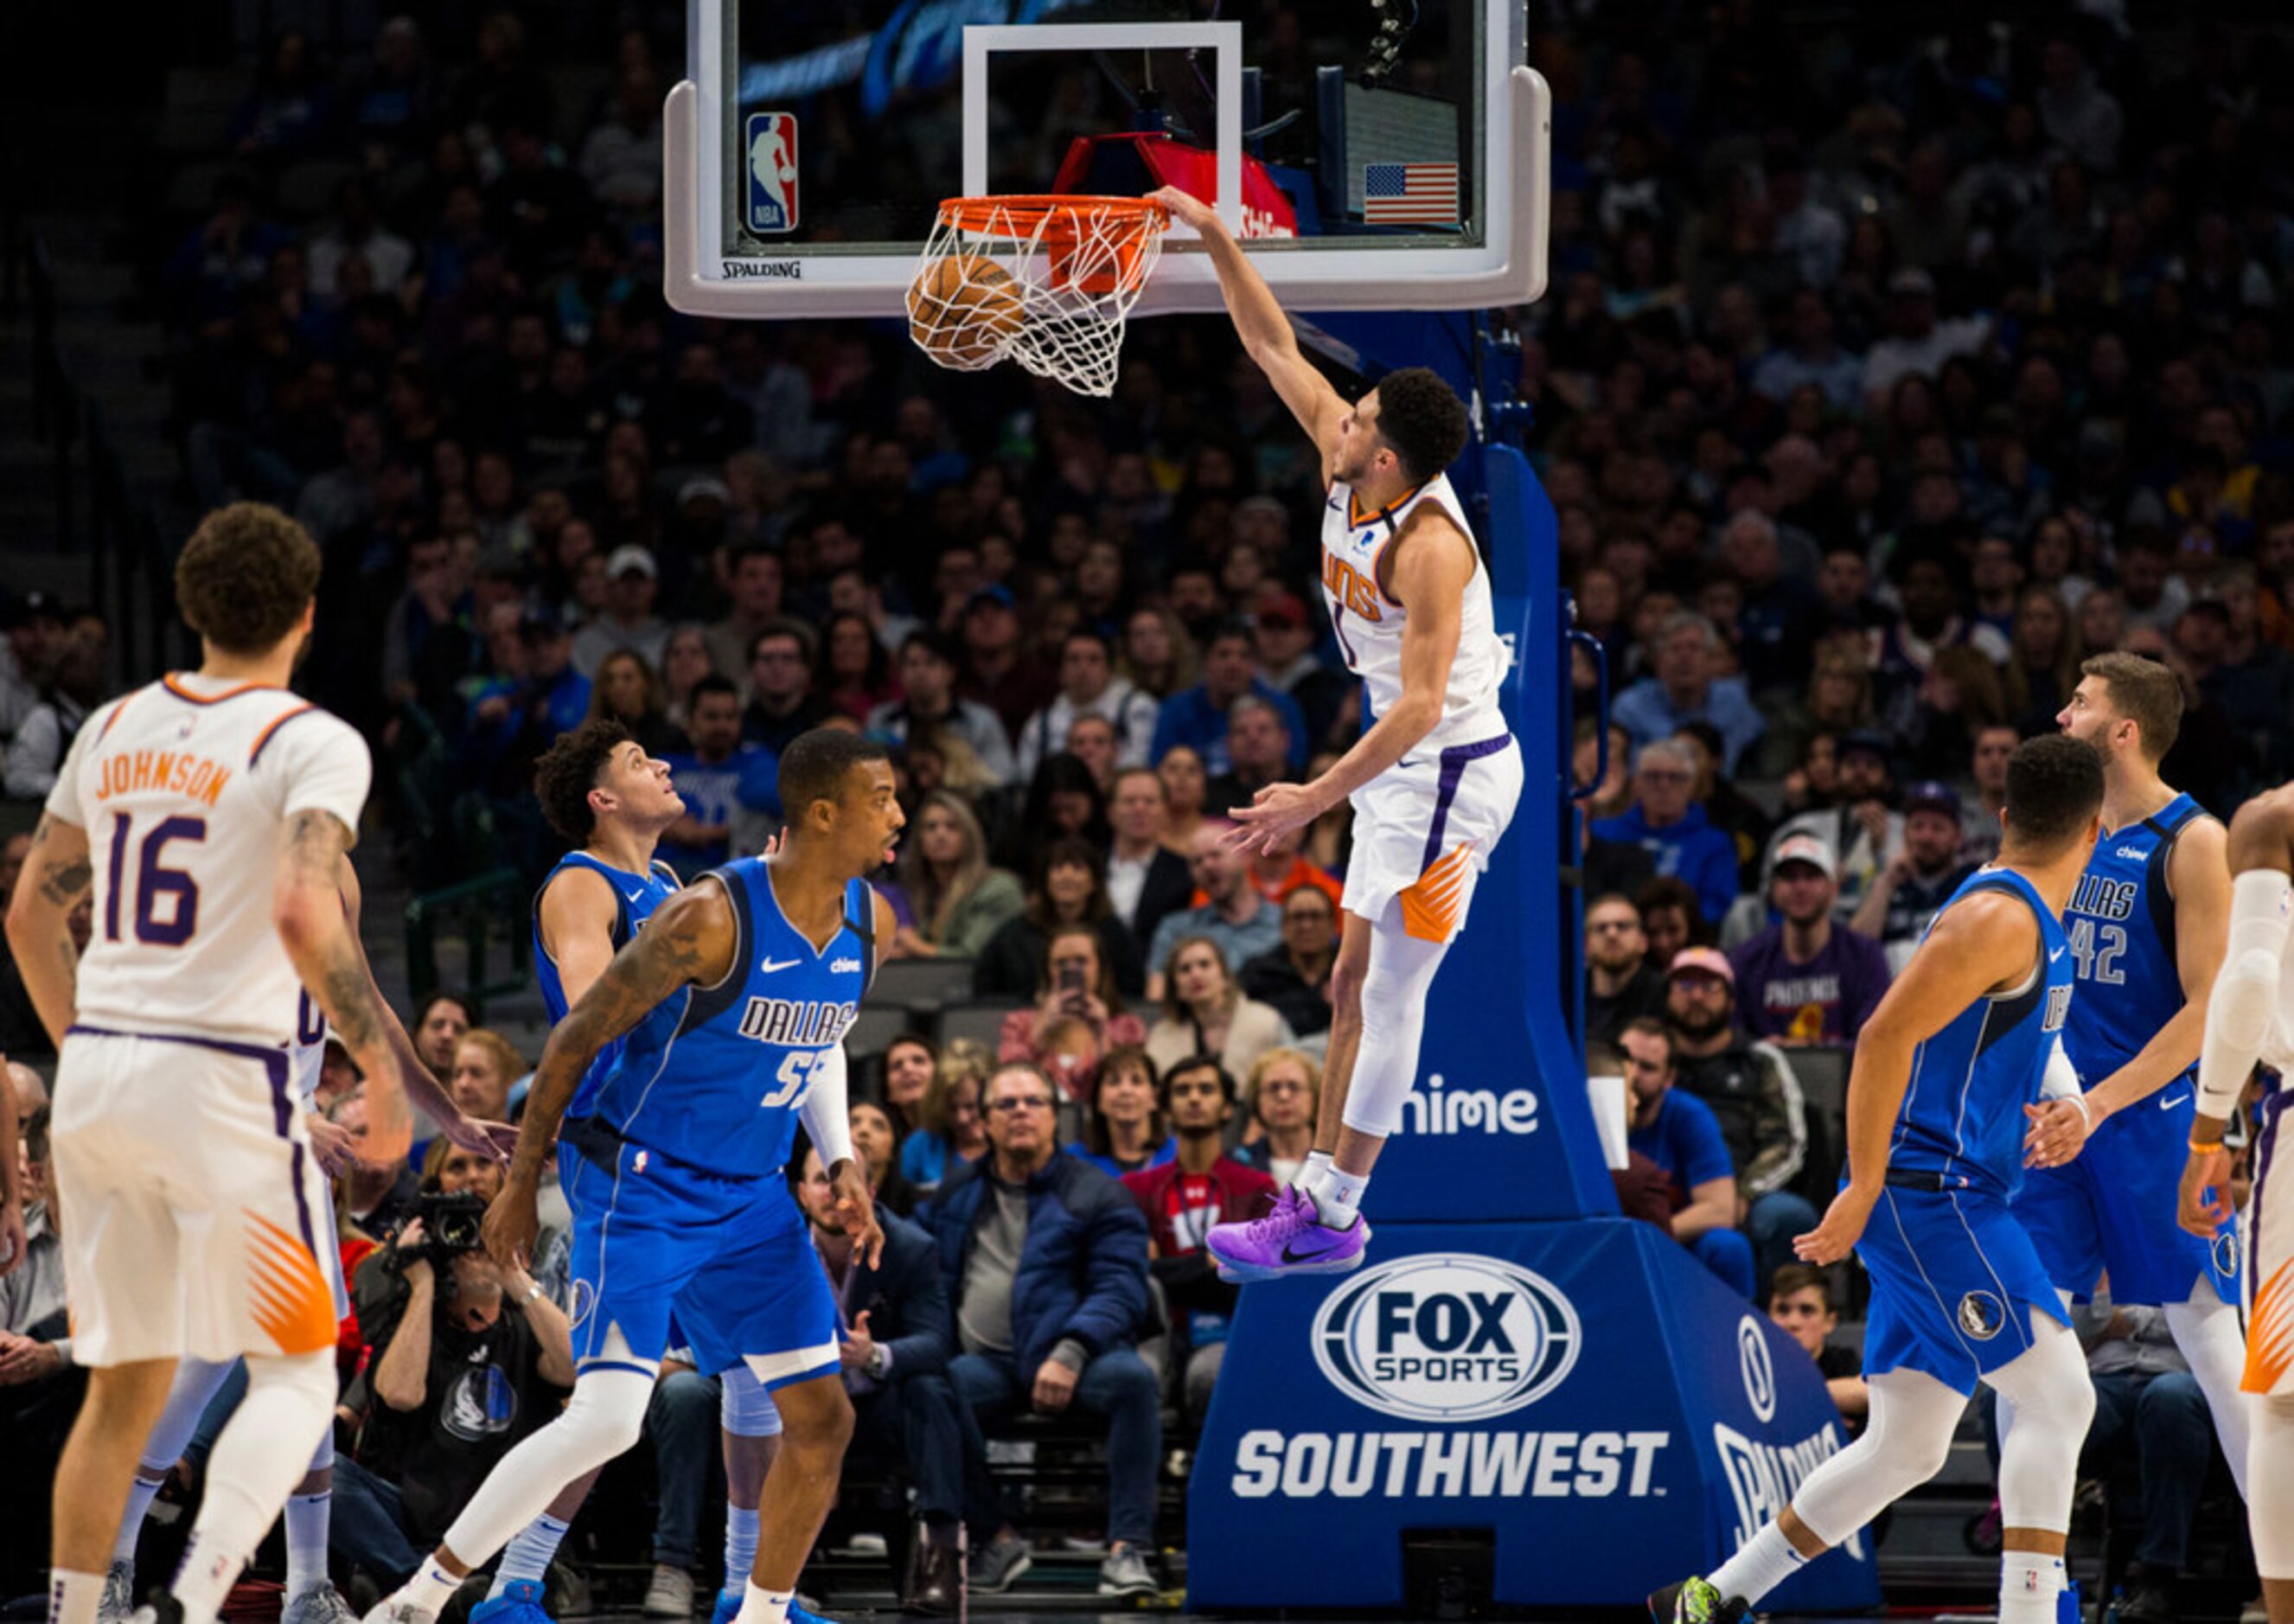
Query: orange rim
[1018,217]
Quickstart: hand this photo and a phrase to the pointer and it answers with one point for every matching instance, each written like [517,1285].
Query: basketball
[963,309]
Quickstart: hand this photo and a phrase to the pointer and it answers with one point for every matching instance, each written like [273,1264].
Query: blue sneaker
[729,1605]
[520,1603]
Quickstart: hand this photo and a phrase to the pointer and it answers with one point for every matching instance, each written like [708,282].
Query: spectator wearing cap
[632,582]
[757,586]
[1916,341]
[1749,1087]
[929,701]
[1677,1132]
[1286,658]
[1196,717]
[782,700]
[1914,883]
[997,669]
[1805,979]
[1862,831]
[1665,821]
[1684,688]
[36,642]
[1620,983]
[1089,686]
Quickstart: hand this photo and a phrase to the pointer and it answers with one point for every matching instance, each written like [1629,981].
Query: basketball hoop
[1047,280]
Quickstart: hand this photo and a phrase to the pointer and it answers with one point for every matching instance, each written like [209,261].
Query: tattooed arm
[56,876]
[306,909]
[689,940]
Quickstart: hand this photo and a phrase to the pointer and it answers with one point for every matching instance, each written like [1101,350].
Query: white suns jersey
[1369,624]
[184,788]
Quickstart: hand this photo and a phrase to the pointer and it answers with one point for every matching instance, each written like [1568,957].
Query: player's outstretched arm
[1264,330]
[1434,563]
[56,876]
[1987,942]
[307,909]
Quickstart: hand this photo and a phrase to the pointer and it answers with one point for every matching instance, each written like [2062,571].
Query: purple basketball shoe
[1290,1239]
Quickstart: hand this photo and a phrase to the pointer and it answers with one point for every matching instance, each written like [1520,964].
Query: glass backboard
[1374,154]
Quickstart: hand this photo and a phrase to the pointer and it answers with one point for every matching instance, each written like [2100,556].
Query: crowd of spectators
[1887,374]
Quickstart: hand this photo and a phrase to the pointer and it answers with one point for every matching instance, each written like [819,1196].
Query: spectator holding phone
[1079,1015]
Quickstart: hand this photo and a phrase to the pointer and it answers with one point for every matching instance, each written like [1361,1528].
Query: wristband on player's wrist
[2206,1147]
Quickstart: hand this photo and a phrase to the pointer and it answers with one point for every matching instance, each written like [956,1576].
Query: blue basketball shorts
[1955,1281]
[764,1301]
[2113,1210]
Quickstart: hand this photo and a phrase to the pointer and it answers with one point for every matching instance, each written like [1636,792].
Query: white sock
[760,1605]
[308,1516]
[1336,1195]
[2028,1584]
[73,1597]
[1766,1562]
[430,1589]
[528,1554]
[265,1451]
[740,1543]
[140,1496]
[1318,1163]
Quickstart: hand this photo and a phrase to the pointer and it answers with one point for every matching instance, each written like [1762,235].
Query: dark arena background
[1842,376]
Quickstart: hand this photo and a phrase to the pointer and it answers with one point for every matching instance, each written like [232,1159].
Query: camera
[452,1225]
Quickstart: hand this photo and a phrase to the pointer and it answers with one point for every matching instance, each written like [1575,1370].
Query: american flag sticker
[1410,194]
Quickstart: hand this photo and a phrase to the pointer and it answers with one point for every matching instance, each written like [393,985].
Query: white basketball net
[1045,281]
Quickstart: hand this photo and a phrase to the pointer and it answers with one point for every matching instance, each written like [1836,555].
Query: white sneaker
[671,1593]
[394,1610]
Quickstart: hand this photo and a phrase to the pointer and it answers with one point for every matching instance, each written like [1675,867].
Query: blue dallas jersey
[1962,1118]
[713,1076]
[635,897]
[2121,925]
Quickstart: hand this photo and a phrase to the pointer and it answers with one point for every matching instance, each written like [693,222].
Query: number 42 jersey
[2120,924]
[712,1077]
[184,788]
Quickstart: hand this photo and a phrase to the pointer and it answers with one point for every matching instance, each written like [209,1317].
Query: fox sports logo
[1445,1337]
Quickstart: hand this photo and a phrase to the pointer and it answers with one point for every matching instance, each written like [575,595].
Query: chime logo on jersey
[1443,1338]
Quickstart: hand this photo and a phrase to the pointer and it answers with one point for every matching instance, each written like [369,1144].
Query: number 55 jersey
[674,1175]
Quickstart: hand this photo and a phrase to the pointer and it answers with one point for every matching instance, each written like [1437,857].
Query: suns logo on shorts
[1982,1315]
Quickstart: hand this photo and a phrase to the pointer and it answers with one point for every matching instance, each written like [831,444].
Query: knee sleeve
[1905,1443]
[196,1383]
[2049,1403]
[746,1410]
[606,1416]
[2270,1487]
[1394,989]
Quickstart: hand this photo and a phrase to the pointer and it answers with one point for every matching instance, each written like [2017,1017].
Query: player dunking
[2146,927]
[1946,1073]
[2249,1017]
[1433,781]
[612,802]
[193,1200]
[734,1001]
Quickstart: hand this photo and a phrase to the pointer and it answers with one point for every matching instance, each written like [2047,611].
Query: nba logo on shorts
[770,140]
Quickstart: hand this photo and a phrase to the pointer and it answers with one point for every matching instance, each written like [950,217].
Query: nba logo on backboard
[771,145]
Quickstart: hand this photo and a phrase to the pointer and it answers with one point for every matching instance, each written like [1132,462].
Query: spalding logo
[1443,1338]
[1754,1365]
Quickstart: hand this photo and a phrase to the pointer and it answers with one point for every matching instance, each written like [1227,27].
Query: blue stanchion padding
[1587,1391]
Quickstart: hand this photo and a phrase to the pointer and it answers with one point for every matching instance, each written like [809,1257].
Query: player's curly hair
[569,770]
[1422,419]
[2055,789]
[246,576]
